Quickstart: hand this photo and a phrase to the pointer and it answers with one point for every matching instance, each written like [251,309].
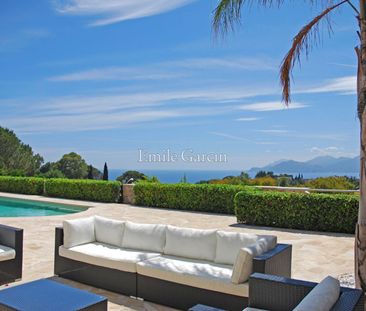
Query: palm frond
[302,42]
[227,14]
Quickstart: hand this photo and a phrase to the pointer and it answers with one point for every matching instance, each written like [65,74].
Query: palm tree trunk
[360,241]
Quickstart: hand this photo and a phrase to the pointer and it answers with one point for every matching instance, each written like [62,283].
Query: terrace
[315,255]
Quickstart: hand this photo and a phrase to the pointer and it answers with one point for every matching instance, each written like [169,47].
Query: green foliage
[204,197]
[333,182]
[135,175]
[89,190]
[105,172]
[24,185]
[16,158]
[73,166]
[318,212]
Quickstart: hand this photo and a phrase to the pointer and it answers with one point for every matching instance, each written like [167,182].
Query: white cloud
[345,85]
[331,151]
[273,131]
[271,106]
[114,11]
[115,73]
[166,70]
[248,119]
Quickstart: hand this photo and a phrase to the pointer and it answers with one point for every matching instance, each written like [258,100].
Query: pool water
[10,207]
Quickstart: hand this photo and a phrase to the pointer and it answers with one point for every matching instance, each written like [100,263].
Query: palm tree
[228,14]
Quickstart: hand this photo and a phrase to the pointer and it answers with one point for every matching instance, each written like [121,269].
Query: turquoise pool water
[10,207]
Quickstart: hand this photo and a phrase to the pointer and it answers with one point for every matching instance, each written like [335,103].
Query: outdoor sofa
[274,293]
[11,254]
[177,267]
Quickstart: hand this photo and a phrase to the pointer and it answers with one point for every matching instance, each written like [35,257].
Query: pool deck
[315,255]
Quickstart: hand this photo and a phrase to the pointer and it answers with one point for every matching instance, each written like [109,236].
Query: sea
[194,176]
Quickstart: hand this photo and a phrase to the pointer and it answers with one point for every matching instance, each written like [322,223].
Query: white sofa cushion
[106,255]
[108,231]
[322,297]
[78,231]
[229,243]
[243,266]
[146,237]
[6,253]
[191,272]
[190,243]
[253,309]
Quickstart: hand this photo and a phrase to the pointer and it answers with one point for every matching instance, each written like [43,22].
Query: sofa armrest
[12,237]
[277,261]
[277,293]
[59,238]
[350,300]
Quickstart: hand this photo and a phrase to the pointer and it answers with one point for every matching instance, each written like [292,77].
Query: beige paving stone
[315,255]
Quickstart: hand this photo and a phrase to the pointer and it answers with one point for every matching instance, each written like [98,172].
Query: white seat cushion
[146,237]
[6,253]
[105,255]
[108,231]
[229,243]
[253,309]
[78,231]
[190,243]
[195,273]
[322,297]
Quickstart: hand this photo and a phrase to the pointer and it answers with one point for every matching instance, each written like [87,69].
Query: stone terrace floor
[315,255]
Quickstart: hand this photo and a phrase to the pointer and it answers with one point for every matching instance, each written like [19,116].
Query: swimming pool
[10,207]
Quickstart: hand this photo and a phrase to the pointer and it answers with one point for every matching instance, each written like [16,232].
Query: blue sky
[107,78]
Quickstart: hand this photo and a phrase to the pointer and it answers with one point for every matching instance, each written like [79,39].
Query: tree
[105,171]
[134,175]
[16,158]
[90,172]
[73,166]
[228,14]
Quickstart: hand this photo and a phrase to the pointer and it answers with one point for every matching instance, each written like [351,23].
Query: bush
[318,212]
[89,190]
[203,197]
[24,185]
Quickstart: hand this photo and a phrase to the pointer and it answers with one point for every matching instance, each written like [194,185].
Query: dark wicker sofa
[275,293]
[276,261]
[11,270]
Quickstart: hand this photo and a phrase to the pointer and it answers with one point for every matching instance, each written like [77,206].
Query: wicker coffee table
[46,295]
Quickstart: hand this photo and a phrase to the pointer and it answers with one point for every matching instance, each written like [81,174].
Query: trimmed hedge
[318,212]
[83,189]
[190,197]
[24,185]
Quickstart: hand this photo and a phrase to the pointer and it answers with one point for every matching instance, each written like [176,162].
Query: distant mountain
[323,164]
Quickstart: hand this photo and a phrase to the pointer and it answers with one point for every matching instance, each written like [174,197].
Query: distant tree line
[263,178]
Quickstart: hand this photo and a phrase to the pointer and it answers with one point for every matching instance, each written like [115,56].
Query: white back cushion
[144,237]
[78,231]
[243,266]
[190,243]
[108,231]
[229,244]
[322,297]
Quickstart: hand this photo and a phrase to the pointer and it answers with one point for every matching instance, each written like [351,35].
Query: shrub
[89,190]
[24,185]
[203,197]
[318,212]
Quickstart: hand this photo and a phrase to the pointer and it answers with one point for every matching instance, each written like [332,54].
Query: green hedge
[204,198]
[24,185]
[318,212]
[80,189]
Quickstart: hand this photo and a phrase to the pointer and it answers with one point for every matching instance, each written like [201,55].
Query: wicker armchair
[274,293]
